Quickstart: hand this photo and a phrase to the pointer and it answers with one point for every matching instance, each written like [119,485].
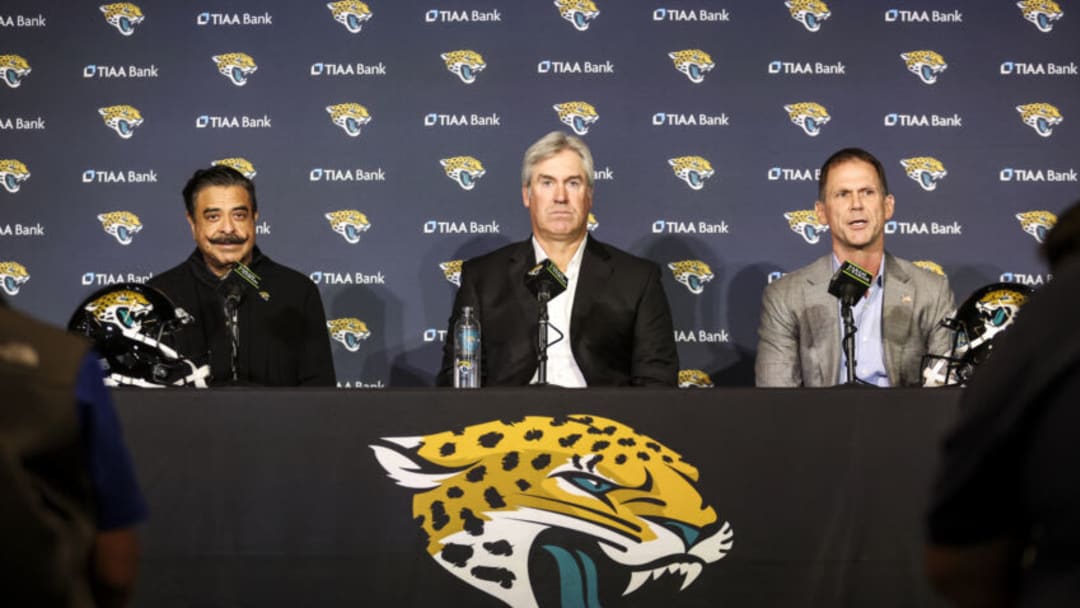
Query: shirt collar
[575,261]
[879,280]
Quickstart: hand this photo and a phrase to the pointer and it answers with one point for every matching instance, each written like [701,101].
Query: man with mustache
[610,327]
[260,323]
[898,320]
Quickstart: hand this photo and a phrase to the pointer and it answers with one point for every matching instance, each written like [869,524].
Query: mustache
[229,239]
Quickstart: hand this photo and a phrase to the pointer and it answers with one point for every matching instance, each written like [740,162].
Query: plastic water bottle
[467,350]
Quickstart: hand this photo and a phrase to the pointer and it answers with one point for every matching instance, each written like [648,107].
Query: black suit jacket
[620,328]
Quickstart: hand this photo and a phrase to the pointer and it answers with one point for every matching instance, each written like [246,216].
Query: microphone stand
[542,337]
[849,340]
[232,305]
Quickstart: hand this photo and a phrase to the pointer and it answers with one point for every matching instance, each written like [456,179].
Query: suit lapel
[592,279]
[897,310]
[824,321]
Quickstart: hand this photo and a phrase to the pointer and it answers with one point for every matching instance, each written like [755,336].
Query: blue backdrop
[707,119]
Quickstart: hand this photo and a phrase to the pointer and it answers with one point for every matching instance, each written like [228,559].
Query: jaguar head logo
[591,223]
[693,170]
[804,223]
[694,63]
[122,119]
[582,500]
[237,67]
[123,308]
[452,271]
[465,64]
[464,170]
[927,65]
[1042,117]
[810,13]
[694,378]
[12,174]
[13,68]
[122,225]
[350,13]
[241,165]
[693,274]
[998,310]
[1042,13]
[349,116]
[930,266]
[579,13]
[809,115]
[349,331]
[1037,223]
[349,223]
[13,276]
[925,170]
[124,16]
[578,115]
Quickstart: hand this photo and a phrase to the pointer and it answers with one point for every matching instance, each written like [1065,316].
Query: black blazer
[620,328]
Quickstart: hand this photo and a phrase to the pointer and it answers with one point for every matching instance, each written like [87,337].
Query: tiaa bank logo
[237,67]
[13,276]
[1042,117]
[1042,13]
[349,223]
[927,65]
[579,13]
[810,13]
[122,225]
[239,164]
[930,266]
[927,171]
[692,274]
[349,116]
[464,170]
[12,174]
[452,271]
[609,509]
[805,223]
[350,13]
[1025,278]
[578,115]
[465,64]
[350,331]
[123,119]
[694,378]
[13,68]
[1037,223]
[694,63]
[808,115]
[693,170]
[124,16]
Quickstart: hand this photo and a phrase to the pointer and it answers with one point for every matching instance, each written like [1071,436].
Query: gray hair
[550,145]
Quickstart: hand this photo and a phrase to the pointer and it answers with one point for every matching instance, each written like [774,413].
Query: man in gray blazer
[899,318]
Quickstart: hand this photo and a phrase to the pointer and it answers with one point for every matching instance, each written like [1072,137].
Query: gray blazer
[799,335]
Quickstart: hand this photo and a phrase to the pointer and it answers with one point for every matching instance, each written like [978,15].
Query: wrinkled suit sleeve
[655,360]
[938,337]
[777,363]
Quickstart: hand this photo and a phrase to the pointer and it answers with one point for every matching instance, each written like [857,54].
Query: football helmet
[128,323]
[976,323]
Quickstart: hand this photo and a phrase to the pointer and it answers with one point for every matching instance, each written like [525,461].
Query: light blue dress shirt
[869,347]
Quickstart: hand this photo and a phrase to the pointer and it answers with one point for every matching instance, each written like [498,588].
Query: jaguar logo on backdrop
[122,225]
[12,174]
[237,67]
[580,13]
[804,222]
[350,13]
[927,65]
[123,119]
[465,171]
[694,170]
[13,276]
[591,223]
[464,64]
[238,163]
[1042,117]
[578,115]
[349,116]
[693,63]
[570,511]
[926,171]
[1037,223]
[692,274]
[808,115]
[124,16]
[349,331]
[810,13]
[1041,13]
[694,378]
[349,223]
[452,271]
[930,266]
[13,68]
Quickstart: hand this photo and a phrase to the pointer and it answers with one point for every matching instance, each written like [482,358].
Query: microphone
[850,283]
[545,280]
[232,287]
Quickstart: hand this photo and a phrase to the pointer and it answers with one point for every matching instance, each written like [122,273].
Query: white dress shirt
[562,369]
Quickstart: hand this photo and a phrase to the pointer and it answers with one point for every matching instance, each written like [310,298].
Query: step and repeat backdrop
[385,140]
